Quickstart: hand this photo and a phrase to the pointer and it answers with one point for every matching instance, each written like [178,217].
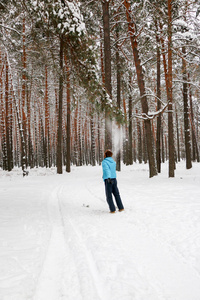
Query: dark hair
[108,153]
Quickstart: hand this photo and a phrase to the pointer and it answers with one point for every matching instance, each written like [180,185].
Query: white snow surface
[58,240]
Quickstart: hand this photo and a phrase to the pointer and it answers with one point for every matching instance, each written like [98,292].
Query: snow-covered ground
[59,242]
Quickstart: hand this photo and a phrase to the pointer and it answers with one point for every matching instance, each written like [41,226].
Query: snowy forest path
[48,286]
[80,264]
[68,272]
[59,241]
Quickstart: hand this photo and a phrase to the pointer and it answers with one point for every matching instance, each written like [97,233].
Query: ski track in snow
[48,286]
[147,252]
[67,266]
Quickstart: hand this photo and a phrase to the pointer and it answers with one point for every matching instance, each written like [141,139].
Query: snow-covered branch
[9,28]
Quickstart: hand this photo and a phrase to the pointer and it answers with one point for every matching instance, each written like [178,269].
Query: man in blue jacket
[109,177]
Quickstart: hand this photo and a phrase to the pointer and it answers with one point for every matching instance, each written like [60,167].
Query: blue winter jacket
[109,168]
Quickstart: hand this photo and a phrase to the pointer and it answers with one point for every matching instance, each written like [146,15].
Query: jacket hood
[110,159]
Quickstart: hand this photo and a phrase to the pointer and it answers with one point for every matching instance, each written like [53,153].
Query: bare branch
[9,28]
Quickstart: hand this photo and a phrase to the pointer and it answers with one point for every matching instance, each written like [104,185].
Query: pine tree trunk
[75,132]
[30,147]
[68,157]
[125,142]
[130,127]
[7,123]
[168,80]
[195,152]
[170,106]
[92,139]
[118,152]
[98,140]
[158,132]
[23,97]
[192,124]
[59,138]
[139,143]
[80,137]
[46,149]
[107,68]
[177,137]
[163,146]
[144,152]
[141,84]
[186,114]
[36,138]
[2,120]
[134,142]
[4,147]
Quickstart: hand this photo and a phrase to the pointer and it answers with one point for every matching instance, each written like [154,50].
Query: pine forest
[81,76]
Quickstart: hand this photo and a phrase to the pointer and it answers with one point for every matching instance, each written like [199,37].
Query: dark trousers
[111,188]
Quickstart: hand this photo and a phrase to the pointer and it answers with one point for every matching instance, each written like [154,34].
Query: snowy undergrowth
[58,240]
